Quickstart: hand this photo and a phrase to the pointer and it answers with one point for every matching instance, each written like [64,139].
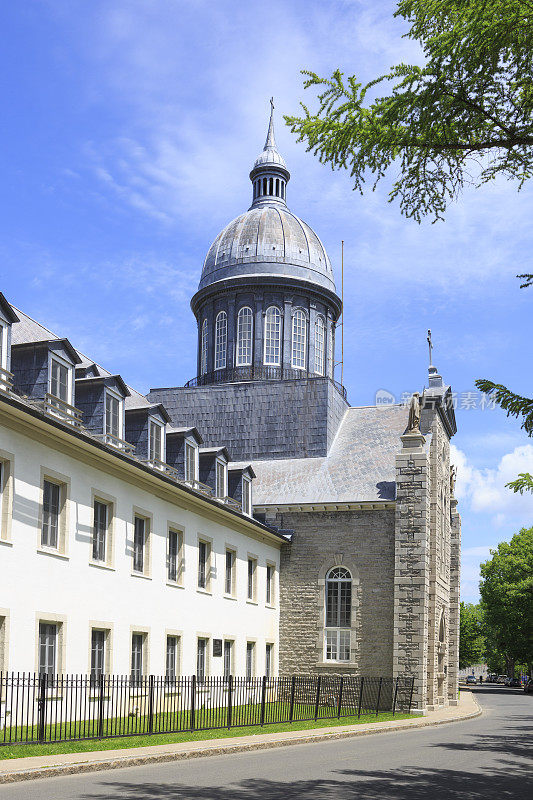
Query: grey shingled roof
[360,466]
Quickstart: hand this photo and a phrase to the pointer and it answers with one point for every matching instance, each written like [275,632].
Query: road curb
[221,749]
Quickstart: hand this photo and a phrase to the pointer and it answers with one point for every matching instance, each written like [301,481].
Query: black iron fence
[36,708]
[259,373]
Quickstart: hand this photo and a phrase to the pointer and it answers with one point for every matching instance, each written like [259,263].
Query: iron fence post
[193,701]
[379,697]
[230,701]
[293,692]
[41,704]
[317,699]
[395,696]
[101,705]
[411,695]
[360,697]
[340,696]
[263,699]
[151,704]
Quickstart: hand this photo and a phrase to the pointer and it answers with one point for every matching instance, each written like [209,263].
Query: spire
[269,173]
[271,139]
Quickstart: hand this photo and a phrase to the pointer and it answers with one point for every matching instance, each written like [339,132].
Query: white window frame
[98,669]
[49,666]
[247,496]
[139,673]
[4,345]
[202,674]
[60,505]
[175,656]
[221,340]
[337,638]
[227,662]
[190,445]
[145,545]
[204,347]
[320,346]
[251,579]
[231,572]
[116,396]
[272,332]
[270,585]
[53,356]
[299,339]
[245,337]
[269,659]
[155,423]
[203,580]
[94,546]
[220,463]
[250,660]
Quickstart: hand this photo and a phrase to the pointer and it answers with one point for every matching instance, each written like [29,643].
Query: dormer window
[246,496]
[60,379]
[113,414]
[191,462]
[155,443]
[221,478]
[4,330]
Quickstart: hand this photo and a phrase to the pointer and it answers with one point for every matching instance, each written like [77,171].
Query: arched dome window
[272,337]
[338,614]
[299,340]
[221,339]
[203,348]
[320,344]
[244,337]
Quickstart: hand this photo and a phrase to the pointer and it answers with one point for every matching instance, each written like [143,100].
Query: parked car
[501,679]
[528,686]
[470,679]
[516,683]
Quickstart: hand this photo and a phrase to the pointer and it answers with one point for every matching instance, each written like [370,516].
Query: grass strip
[127,742]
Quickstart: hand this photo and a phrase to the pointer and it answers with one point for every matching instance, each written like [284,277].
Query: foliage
[467,109]
[471,638]
[506,590]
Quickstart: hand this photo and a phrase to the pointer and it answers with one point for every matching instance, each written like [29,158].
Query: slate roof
[360,466]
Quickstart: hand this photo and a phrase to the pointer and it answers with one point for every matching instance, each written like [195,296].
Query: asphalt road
[480,759]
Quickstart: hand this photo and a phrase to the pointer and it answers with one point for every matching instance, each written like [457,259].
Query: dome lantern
[269,173]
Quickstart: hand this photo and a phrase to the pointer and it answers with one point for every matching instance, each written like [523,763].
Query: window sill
[101,565]
[175,585]
[332,663]
[53,553]
[204,591]
[229,597]
[6,542]
[141,575]
[269,605]
[252,602]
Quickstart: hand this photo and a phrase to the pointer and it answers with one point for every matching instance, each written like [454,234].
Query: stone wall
[363,542]
[455,577]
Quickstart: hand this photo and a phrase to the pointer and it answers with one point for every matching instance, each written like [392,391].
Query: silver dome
[268,240]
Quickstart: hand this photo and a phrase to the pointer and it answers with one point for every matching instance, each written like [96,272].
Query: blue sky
[128,131]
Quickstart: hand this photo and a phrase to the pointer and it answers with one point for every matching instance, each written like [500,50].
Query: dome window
[272,355]
[221,340]
[299,340]
[244,337]
[204,346]
[320,341]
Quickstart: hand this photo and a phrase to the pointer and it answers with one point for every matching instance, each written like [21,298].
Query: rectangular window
[59,381]
[99,530]
[201,664]
[229,582]
[269,584]
[190,462]
[137,644]
[337,645]
[252,563]
[139,541]
[246,496]
[203,559]
[171,668]
[174,546]
[156,442]
[50,522]
[112,415]
[97,653]
[47,649]
[268,660]
[228,658]
[3,347]
[250,656]
[221,478]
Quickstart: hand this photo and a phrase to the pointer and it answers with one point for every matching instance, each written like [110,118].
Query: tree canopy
[506,590]
[471,638]
[463,117]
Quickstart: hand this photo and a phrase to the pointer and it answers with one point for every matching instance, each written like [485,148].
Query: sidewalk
[22,769]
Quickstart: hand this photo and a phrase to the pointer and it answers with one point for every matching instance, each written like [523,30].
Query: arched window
[221,339]
[320,342]
[203,348]
[299,340]
[442,629]
[244,337]
[338,616]
[264,185]
[331,350]
[272,337]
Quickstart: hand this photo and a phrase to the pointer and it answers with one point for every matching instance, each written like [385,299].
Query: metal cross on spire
[430,345]
[270,140]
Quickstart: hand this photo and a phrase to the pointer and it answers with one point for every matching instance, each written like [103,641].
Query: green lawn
[122,743]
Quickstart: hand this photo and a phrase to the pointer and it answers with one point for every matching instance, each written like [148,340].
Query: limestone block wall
[412,565]
[362,541]
[455,578]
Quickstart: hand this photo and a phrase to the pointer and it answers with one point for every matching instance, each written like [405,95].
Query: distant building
[248,522]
